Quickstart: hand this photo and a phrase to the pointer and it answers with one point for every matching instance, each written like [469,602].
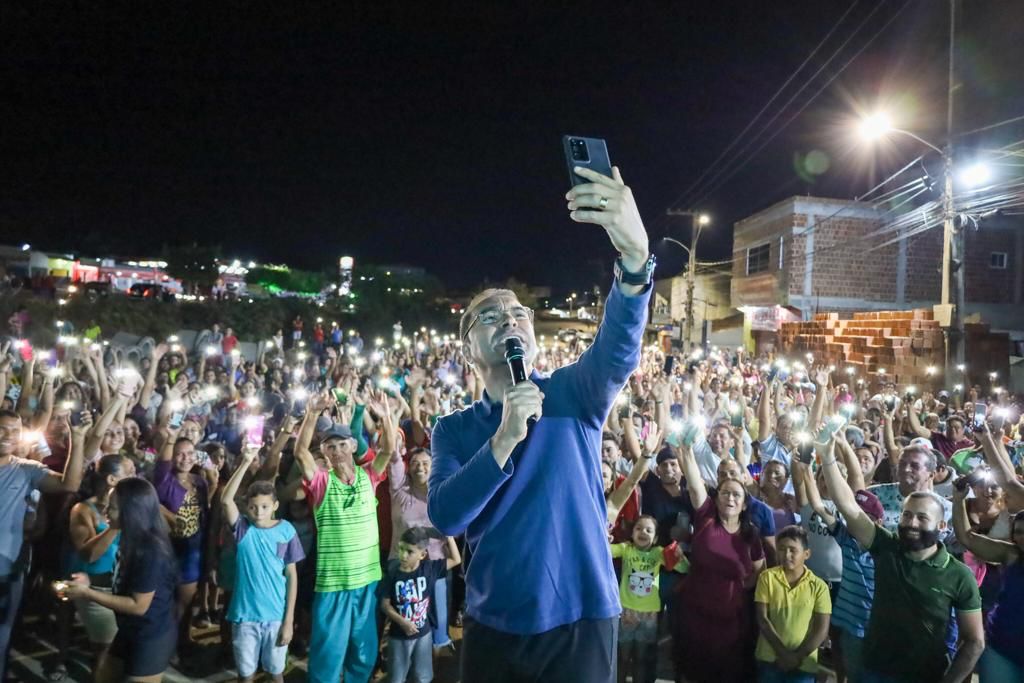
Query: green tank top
[347,542]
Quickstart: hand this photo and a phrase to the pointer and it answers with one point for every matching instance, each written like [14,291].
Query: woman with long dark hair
[715,635]
[144,579]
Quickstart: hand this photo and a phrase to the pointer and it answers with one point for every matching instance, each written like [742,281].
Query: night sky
[429,134]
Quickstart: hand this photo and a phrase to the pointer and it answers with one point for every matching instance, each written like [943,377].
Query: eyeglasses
[493,316]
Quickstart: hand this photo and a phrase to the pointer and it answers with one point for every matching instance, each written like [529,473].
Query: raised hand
[608,202]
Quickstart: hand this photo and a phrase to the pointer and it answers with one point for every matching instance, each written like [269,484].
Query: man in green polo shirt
[918,584]
[347,545]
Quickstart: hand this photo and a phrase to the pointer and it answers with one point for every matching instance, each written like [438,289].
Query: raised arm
[821,380]
[1002,470]
[802,473]
[892,451]
[150,382]
[694,482]
[859,524]
[764,413]
[454,556]
[71,480]
[640,467]
[915,423]
[388,432]
[314,406]
[227,496]
[846,455]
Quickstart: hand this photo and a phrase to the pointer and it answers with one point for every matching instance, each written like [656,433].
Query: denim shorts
[255,645]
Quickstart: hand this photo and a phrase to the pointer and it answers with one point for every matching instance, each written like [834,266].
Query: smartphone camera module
[578,148]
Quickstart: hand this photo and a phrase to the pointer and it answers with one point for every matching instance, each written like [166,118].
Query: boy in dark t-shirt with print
[406,597]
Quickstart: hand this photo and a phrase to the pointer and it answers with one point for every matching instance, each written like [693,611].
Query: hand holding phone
[254,431]
[589,153]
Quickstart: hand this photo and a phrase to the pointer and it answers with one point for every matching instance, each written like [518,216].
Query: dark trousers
[581,651]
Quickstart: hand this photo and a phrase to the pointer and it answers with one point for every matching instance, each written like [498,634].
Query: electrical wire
[792,97]
[716,185]
[695,184]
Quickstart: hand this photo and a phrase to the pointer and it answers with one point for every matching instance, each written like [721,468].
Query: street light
[700,221]
[878,125]
[976,174]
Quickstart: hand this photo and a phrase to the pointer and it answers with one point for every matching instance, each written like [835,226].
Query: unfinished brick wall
[900,345]
[903,344]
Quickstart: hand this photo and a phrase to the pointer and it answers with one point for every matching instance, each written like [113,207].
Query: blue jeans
[441,637]
[344,635]
[995,668]
[413,658]
[769,673]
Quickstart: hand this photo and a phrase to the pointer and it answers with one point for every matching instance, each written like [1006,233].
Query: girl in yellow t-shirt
[638,592]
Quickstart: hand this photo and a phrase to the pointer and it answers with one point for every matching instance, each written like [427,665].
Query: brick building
[806,255]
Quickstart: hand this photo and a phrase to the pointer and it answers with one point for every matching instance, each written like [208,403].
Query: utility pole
[952,239]
[699,220]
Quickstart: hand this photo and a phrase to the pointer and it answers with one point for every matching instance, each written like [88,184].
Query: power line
[767,104]
[806,104]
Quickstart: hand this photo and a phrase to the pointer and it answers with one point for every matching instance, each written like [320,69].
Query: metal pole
[691,280]
[953,239]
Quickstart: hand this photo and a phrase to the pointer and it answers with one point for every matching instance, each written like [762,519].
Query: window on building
[781,251]
[758,259]
[997,260]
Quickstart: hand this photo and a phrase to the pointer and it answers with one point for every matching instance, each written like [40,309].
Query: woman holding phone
[184,499]
[142,593]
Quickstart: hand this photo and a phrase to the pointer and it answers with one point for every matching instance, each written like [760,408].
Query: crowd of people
[768,517]
[762,514]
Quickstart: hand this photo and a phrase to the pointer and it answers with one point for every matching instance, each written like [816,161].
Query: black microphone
[514,356]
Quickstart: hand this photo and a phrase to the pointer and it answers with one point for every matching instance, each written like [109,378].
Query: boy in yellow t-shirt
[793,608]
[638,592]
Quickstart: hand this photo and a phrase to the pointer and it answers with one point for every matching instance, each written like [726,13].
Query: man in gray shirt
[18,479]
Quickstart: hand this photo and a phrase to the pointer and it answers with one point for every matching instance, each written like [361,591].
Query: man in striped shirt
[347,546]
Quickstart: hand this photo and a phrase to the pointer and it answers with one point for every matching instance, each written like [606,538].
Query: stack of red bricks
[899,345]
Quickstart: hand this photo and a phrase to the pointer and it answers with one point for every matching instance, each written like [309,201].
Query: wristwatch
[643,278]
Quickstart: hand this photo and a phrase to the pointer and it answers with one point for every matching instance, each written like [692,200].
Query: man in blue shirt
[520,473]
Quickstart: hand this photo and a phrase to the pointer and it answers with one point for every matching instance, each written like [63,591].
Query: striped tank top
[347,542]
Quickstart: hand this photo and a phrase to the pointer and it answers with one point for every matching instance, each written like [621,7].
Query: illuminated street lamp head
[703,219]
[875,126]
[976,175]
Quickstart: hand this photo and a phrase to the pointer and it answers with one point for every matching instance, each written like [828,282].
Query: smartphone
[832,425]
[254,430]
[805,452]
[980,413]
[589,153]
[735,415]
[76,417]
[340,396]
[890,403]
[670,362]
[177,417]
[299,408]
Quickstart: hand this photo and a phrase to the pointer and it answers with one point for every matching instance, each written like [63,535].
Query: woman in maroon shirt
[715,634]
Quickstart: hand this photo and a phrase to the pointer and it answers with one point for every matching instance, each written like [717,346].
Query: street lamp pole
[699,221]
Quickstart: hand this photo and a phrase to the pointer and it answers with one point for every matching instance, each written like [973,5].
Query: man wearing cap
[919,586]
[520,472]
[347,546]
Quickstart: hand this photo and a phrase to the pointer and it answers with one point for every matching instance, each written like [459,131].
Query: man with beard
[918,585]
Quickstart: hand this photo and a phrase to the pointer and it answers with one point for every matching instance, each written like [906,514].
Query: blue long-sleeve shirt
[536,528]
